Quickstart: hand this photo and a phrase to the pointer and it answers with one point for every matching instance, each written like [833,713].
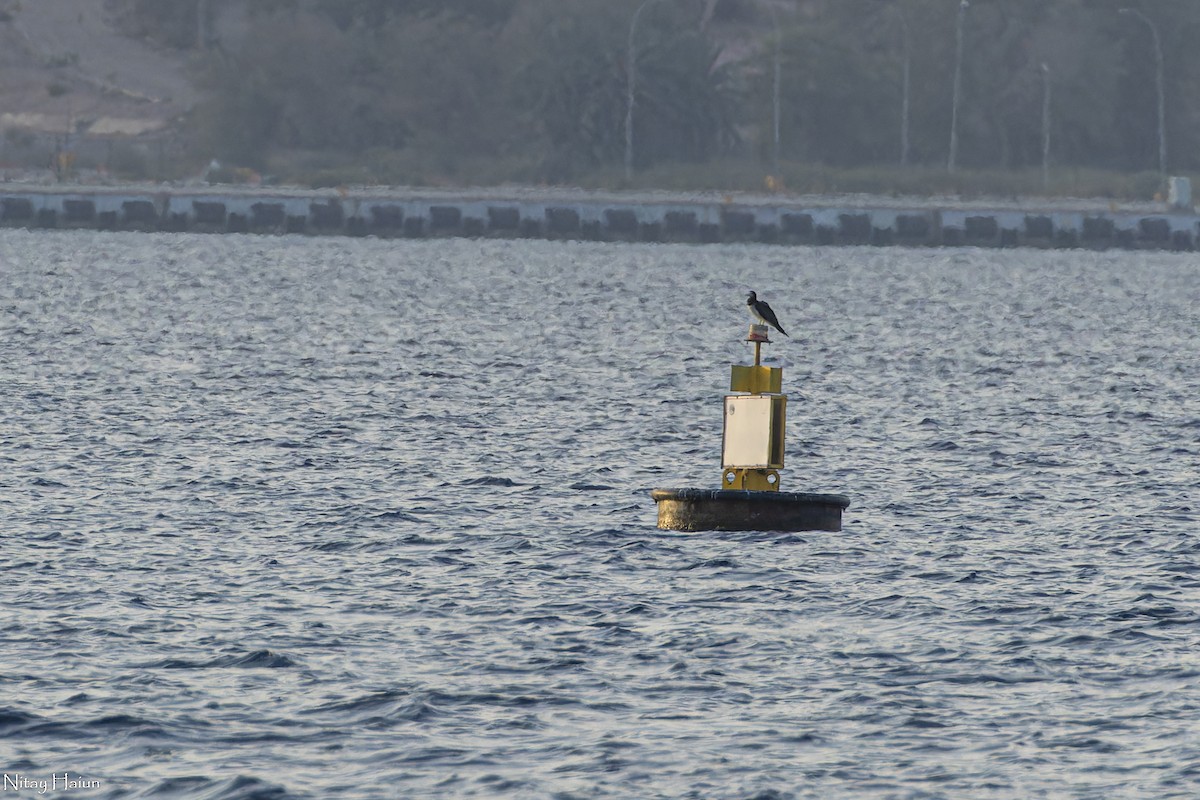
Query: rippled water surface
[293,517]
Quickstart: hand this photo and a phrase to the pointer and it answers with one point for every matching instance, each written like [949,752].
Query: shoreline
[635,215]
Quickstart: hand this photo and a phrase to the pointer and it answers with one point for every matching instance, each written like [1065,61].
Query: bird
[763,313]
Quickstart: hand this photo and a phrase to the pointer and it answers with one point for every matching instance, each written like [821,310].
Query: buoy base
[738,510]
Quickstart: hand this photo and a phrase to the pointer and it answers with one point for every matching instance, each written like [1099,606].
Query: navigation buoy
[752,454]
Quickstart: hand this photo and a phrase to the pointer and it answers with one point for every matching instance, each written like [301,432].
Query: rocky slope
[65,68]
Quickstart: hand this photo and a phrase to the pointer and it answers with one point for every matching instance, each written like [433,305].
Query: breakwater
[560,214]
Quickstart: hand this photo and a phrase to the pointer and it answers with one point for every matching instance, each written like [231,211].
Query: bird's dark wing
[770,317]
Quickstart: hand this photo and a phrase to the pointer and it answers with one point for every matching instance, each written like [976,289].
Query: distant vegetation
[478,91]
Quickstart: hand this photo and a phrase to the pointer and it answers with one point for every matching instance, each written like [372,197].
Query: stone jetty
[614,216]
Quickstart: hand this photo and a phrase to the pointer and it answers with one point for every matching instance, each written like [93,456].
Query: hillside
[69,75]
[65,71]
[1055,98]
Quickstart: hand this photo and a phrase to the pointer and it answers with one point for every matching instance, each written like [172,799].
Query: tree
[544,83]
[300,83]
[839,97]
[843,59]
[571,80]
[174,23]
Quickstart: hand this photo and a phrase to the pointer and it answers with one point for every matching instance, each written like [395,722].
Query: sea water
[290,517]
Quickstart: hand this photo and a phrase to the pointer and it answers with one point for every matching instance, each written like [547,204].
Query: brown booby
[763,313]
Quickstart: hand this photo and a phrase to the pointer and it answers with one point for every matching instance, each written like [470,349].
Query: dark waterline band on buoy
[738,510]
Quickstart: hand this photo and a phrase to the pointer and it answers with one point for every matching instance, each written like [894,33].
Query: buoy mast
[752,449]
[752,444]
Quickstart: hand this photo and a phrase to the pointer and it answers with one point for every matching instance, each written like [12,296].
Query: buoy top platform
[752,455]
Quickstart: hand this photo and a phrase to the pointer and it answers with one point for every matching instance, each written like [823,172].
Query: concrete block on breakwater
[562,214]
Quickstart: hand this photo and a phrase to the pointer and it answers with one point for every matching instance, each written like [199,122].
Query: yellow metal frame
[756,380]
[754,480]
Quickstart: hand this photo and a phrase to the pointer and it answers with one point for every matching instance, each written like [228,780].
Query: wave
[258,659]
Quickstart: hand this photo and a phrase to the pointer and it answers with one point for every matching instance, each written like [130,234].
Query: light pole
[1162,100]
[775,89]
[202,25]
[962,13]
[904,87]
[631,89]
[1045,126]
